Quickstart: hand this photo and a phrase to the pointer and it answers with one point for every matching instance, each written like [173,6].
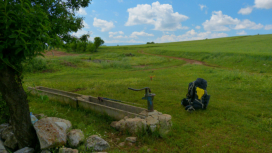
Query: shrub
[36,64]
[90,47]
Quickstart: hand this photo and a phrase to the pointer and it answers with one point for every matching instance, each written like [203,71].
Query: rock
[2,148]
[165,124]
[96,143]
[121,125]
[144,113]
[25,150]
[126,117]
[153,128]
[68,150]
[46,151]
[133,125]
[3,127]
[150,120]
[129,144]
[121,144]
[9,137]
[75,137]
[7,132]
[11,142]
[49,133]
[153,113]
[62,123]
[131,139]
[115,124]
[165,117]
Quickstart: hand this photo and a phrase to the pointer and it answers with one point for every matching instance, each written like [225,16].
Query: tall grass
[238,117]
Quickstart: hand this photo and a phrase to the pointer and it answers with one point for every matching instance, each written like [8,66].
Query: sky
[127,22]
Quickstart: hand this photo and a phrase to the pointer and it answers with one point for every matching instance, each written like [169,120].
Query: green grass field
[238,118]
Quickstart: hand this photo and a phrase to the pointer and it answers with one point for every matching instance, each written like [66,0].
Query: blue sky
[127,22]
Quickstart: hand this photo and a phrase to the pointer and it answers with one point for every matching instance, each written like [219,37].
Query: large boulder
[9,137]
[11,142]
[2,148]
[25,150]
[7,132]
[3,127]
[49,133]
[95,143]
[75,137]
[65,125]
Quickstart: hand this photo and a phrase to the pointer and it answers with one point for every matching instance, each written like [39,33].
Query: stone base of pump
[154,122]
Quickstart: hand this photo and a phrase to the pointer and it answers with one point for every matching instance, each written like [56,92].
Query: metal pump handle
[147,89]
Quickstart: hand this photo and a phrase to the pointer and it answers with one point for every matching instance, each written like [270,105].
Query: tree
[98,42]
[27,28]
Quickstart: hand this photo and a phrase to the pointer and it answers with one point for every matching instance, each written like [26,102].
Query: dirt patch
[188,61]
[52,53]
[78,89]
[65,63]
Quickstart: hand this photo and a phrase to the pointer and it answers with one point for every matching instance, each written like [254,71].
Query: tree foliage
[98,42]
[27,27]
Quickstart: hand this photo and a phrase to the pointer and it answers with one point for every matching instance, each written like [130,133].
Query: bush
[90,47]
[34,65]
[4,111]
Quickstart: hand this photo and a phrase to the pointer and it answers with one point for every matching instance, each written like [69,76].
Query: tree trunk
[16,99]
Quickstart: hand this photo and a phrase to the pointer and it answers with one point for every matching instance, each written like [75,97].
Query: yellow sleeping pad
[200,92]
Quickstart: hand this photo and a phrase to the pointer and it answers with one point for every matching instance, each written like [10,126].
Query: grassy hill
[238,118]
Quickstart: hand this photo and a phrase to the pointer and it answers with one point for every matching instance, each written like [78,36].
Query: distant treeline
[150,42]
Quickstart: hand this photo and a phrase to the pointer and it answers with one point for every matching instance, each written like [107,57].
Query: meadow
[239,75]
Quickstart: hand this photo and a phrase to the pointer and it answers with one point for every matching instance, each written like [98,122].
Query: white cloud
[190,35]
[120,1]
[81,11]
[103,24]
[161,16]
[135,34]
[268,27]
[245,11]
[221,22]
[241,33]
[86,25]
[267,4]
[247,24]
[120,36]
[198,27]
[81,32]
[202,6]
[111,34]
[123,41]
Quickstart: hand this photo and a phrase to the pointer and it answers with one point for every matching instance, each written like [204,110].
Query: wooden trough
[115,110]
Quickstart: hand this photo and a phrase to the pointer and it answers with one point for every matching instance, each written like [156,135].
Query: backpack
[197,96]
